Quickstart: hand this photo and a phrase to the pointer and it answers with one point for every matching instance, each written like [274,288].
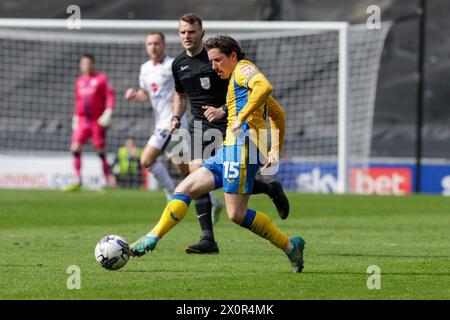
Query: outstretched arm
[136,96]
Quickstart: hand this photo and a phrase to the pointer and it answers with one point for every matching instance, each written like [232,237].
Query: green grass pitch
[44,232]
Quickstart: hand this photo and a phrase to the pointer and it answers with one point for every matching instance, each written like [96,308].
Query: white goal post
[256,31]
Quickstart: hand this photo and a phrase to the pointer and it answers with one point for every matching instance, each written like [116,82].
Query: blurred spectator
[127,168]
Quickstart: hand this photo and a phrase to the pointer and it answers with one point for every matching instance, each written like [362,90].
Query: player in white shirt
[157,85]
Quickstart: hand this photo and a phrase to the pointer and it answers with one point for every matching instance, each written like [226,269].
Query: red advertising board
[381,180]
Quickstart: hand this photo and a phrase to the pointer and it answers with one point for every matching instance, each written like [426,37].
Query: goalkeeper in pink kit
[94,104]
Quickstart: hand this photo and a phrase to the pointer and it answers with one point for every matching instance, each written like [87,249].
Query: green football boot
[143,245]
[296,255]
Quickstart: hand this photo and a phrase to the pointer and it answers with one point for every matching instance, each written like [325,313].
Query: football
[112,252]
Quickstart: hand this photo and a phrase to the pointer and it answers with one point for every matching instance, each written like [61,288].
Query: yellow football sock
[259,223]
[175,210]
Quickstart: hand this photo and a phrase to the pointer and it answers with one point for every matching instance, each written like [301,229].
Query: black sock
[262,187]
[203,207]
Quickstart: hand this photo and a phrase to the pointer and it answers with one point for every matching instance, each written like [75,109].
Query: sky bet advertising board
[379,178]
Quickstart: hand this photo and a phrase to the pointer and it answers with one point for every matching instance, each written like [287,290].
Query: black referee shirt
[194,76]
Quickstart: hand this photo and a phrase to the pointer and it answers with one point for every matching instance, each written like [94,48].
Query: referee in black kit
[197,81]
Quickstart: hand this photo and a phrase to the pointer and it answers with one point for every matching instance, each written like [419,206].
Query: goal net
[324,76]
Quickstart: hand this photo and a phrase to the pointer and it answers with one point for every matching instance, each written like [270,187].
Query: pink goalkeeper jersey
[93,95]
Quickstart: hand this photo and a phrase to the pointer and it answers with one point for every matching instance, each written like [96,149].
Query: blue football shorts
[234,169]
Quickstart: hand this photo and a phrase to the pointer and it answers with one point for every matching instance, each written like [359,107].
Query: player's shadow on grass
[383,273]
[383,255]
[325,272]
[22,265]
[151,271]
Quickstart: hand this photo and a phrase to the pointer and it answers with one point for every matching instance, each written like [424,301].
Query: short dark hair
[191,18]
[159,33]
[89,56]
[226,45]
